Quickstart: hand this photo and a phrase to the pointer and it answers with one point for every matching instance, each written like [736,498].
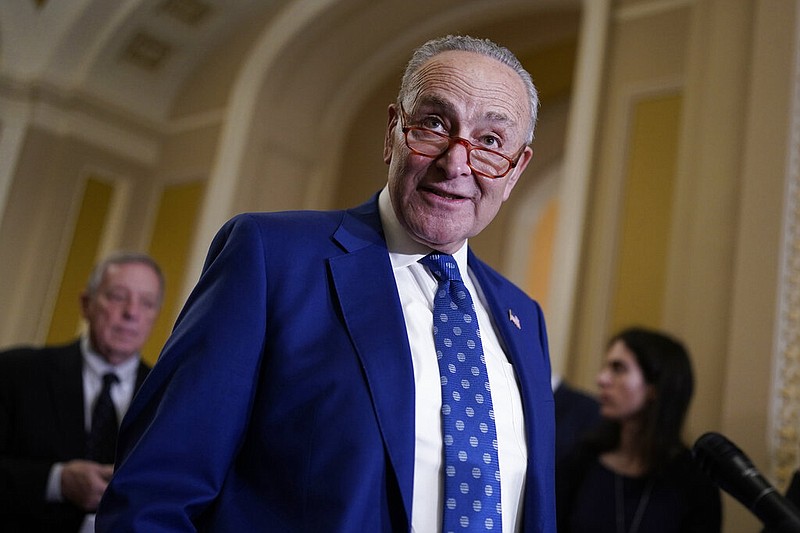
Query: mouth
[443,194]
[127,333]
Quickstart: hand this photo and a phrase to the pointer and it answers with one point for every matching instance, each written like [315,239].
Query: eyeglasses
[483,161]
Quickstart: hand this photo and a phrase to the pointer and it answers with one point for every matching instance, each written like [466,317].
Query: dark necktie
[102,440]
[472,469]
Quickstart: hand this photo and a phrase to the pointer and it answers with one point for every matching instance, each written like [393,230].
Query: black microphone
[733,472]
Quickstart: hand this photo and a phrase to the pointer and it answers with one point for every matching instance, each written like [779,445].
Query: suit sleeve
[23,480]
[182,432]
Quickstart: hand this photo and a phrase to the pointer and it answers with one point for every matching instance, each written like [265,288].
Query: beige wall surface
[762,251]
[287,110]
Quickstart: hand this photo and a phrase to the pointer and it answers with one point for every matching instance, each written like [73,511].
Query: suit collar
[360,227]
[365,287]
[97,365]
[500,309]
[65,381]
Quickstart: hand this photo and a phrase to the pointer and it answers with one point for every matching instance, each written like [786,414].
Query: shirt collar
[96,364]
[403,250]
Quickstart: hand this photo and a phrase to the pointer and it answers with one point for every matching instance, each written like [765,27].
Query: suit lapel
[365,286]
[66,386]
[505,321]
[517,334]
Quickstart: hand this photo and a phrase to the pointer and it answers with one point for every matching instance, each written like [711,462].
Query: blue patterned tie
[472,470]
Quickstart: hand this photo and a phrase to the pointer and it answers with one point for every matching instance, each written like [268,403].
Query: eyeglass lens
[433,144]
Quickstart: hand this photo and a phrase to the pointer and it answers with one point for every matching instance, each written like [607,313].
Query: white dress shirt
[416,287]
[94,368]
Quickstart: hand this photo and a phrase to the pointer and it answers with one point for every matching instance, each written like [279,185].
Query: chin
[440,238]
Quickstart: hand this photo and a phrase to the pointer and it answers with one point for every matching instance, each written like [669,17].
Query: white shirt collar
[97,365]
[403,250]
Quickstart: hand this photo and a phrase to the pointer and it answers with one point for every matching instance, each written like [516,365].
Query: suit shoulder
[23,355]
[284,226]
[32,355]
[22,364]
[287,220]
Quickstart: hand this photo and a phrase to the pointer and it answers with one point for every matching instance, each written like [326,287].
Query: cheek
[492,197]
[404,175]
[636,397]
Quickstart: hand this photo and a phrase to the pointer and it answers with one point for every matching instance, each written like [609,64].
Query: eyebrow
[437,101]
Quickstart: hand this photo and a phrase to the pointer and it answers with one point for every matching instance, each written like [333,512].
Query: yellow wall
[169,246]
[88,232]
[640,278]
[172,235]
[540,257]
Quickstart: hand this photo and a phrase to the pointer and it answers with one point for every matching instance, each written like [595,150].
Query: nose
[131,309]
[455,160]
[602,378]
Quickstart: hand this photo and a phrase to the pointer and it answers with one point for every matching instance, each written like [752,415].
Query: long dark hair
[666,366]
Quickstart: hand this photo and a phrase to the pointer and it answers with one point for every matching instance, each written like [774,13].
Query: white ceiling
[132,55]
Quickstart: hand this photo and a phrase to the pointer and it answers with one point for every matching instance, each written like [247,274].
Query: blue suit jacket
[284,399]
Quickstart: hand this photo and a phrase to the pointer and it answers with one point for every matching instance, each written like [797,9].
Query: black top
[681,500]
[793,492]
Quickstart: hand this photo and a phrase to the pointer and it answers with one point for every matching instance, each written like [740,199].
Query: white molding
[14,120]
[526,216]
[237,127]
[577,170]
[785,389]
[195,121]
[649,9]
[77,124]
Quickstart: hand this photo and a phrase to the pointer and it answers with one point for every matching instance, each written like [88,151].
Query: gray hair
[484,47]
[123,258]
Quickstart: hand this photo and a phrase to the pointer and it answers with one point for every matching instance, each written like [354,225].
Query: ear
[85,301]
[516,172]
[388,139]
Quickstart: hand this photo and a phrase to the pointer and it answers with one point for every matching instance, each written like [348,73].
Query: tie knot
[442,266]
[110,379]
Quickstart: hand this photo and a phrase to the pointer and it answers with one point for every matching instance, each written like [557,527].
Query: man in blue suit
[300,390]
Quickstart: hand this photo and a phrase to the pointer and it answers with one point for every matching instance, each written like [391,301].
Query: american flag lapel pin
[514,318]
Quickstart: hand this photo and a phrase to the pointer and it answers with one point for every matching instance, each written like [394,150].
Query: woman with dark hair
[634,474]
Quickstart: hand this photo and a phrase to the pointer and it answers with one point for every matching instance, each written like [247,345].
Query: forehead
[471,83]
[620,352]
[137,276]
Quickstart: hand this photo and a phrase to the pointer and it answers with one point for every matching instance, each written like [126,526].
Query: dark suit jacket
[576,413]
[41,423]
[284,399]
